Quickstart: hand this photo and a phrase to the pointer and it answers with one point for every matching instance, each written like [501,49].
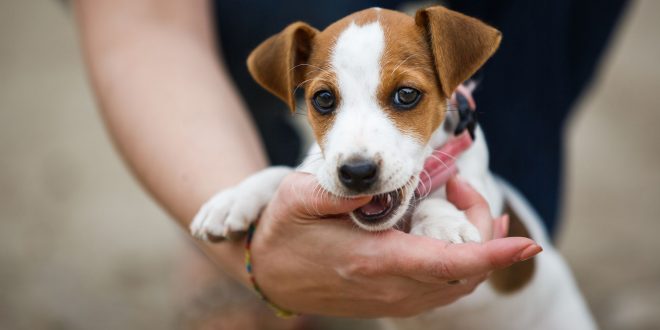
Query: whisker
[299,85]
[446,154]
[402,72]
[427,192]
[310,65]
[440,160]
[422,181]
[400,63]
[300,110]
[316,195]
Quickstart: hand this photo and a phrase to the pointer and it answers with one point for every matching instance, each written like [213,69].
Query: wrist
[228,256]
[249,267]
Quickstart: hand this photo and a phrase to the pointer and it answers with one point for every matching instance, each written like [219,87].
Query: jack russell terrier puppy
[377,88]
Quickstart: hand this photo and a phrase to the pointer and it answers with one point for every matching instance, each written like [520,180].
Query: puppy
[377,86]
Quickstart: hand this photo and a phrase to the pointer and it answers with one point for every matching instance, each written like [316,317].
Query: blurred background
[83,247]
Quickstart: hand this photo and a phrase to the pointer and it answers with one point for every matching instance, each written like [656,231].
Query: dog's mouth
[380,208]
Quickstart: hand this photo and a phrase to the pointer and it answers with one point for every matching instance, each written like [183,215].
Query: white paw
[233,210]
[444,222]
[229,211]
[447,229]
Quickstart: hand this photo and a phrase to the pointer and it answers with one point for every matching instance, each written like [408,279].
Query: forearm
[167,102]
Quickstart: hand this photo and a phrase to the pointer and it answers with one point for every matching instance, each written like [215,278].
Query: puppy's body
[376,87]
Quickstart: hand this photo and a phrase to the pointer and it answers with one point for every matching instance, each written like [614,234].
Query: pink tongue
[377,205]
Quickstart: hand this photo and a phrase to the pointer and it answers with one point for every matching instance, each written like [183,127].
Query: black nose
[358,175]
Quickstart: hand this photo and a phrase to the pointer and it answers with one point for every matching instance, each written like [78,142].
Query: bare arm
[168,103]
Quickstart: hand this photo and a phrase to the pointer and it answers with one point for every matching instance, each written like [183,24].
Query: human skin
[179,123]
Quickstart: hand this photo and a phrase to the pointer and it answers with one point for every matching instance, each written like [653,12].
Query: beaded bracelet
[279,312]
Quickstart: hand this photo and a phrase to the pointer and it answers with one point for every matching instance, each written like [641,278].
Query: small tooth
[388,199]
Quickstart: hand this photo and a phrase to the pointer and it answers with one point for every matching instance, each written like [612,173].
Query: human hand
[308,262]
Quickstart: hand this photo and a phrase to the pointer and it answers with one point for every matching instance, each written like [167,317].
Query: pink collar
[441,165]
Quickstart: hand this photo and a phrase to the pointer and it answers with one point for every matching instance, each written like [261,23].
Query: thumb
[305,196]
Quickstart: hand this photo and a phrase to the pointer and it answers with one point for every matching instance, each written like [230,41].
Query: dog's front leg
[235,208]
[438,218]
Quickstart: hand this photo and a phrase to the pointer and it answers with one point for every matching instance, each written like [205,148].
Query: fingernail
[529,252]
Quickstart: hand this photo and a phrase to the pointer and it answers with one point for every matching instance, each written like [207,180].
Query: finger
[304,196]
[501,227]
[465,260]
[467,199]
[436,261]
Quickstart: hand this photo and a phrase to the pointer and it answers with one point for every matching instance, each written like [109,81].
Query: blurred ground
[82,247]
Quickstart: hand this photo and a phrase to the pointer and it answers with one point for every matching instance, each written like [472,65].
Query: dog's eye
[324,102]
[406,97]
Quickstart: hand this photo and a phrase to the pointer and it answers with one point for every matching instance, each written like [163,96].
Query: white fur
[232,210]
[437,218]
[473,167]
[361,127]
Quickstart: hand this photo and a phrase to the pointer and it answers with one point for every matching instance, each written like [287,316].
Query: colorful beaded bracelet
[279,312]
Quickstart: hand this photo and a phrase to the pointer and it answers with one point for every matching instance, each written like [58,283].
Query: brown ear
[273,63]
[460,44]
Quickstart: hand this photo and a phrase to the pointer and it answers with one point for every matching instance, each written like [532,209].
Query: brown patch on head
[433,53]
[516,276]
[320,76]
[408,62]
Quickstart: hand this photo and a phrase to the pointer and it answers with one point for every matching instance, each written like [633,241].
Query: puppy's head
[376,85]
